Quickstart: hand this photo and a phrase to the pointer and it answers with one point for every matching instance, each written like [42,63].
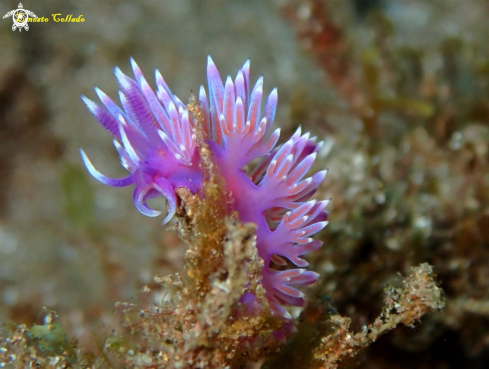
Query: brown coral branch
[325,340]
[201,323]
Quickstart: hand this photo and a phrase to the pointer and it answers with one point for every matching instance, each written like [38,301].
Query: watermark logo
[20,17]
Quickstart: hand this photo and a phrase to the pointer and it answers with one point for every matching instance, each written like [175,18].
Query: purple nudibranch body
[154,135]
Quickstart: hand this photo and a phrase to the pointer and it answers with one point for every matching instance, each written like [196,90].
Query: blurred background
[397,89]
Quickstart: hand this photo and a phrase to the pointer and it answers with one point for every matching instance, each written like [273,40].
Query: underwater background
[398,90]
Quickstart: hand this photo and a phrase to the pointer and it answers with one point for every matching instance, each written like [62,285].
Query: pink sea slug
[154,135]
